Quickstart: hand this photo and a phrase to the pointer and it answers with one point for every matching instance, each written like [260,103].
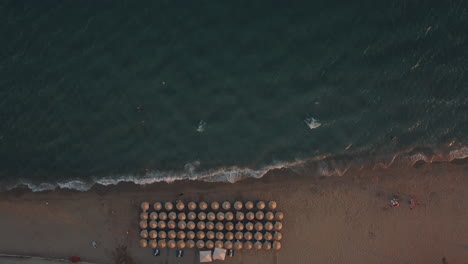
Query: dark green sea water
[118,89]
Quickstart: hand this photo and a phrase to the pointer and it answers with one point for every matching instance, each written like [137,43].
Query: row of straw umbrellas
[212,216]
[200,244]
[228,226]
[215,206]
[247,236]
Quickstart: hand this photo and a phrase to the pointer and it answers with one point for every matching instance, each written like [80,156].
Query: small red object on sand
[395,202]
[75,259]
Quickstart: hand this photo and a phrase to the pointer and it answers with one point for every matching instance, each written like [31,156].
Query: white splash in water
[201,126]
[312,123]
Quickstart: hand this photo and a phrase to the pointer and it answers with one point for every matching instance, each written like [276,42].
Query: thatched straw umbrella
[190,243]
[203,206]
[267,245]
[268,236]
[229,216]
[261,205]
[153,224]
[143,243]
[249,226]
[163,216]
[209,244]
[219,244]
[210,235]
[219,235]
[248,245]
[144,216]
[154,216]
[180,235]
[268,226]
[171,244]
[145,206]
[258,236]
[192,206]
[238,205]
[192,216]
[211,216]
[250,216]
[258,245]
[229,236]
[143,224]
[239,235]
[258,226]
[171,224]
[200,235]
[209,225]
[239,226]
[171,234]
[237,245]
[153,243]
[162,234]
[144,233]
[226,205]
[201,225]
[191,225]
[202,216]
[168,206]
[228,245]
[276,245]
[248,236]
[180,205]
[172,216]
[249,205]
[181,225]
[272,205]
[259,215]
[157,206]
[279,216]
[269,216]
[277,236]
[161,224]
[219,226]
[220,216]
[162,243]
[182,216]
[229,226]
[215,206]
[240,216]
[191,235]
[180,244]
[153,234]
[278,226]
[200,244]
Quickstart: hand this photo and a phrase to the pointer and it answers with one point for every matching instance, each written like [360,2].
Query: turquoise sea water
[121,90]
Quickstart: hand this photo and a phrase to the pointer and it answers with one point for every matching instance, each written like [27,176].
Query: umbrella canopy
[258,245]
[209,225]
[171,244]
[250,216]
[192,206]
[181,225]
[200,235]
[276,245]
[153,234]
[162,243]
[249,205]
[229,226]
[219,226]
[219,254]
[144,233]
[267,236]
[161,224]
[191,235]
[153,224]
[220,216]
[268,226]
[239,235]
[144,216]
[279,216]
[154,216]
[181,216]
[248,245]
[229,216]
[163,216]
[267,245]
[259,226]
[180,244]
[200,244]
[219,244]
[201,225]
[258,236]
[278,226]
[229,236]
[226,205]
[261,205]
[238,205]
[203,206]
[192,216]
[269,216]
[277,236]
[248,236]
[162,234]
[219,235]
[171,234]
[209,244]
[143,224]
[145,206]
[249,226]
[180,205]
[240,216]
[143,243]
[202,216]
[172,216]
[180,235]
[211,216]
[157,206]
[191,225]
[171,224]
[168,206]
[272,205]
[215,206]
[210,235]
[190,243]
[239,226]
[228,245]
[259,215]
[205,256]
[237,245]
[153,243]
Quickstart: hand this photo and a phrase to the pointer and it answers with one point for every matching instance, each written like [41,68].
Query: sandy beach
[345,219]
